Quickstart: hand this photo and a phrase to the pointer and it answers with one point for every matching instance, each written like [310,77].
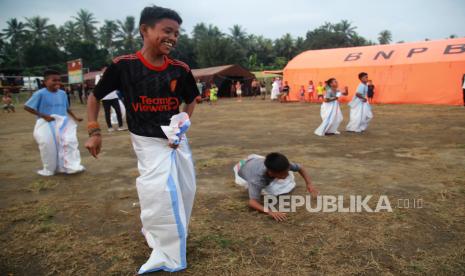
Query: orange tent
[428,72]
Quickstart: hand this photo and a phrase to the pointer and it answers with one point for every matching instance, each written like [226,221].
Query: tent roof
[226,70]
[382,55]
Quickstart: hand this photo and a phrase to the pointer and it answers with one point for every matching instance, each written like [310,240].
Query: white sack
[360,115]
[166,188]
[331,117]
[58,145]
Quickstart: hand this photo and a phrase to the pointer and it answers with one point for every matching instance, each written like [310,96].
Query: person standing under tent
[213,94]
[232,90]
[275,90]
[154,87]
[255,88]
[330,111]
[360,109]
[311,91]
[263,89]
[284,97]
[239,91]
[320,91]
[371,91]
[302,93]
[199,86]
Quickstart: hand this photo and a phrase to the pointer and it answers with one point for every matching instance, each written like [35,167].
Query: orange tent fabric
[428,72]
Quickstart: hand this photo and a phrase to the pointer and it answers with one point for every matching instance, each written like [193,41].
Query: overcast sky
[408,20]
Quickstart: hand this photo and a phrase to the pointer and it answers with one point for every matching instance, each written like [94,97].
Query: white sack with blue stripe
[166,188]
[332,117]
[58,145]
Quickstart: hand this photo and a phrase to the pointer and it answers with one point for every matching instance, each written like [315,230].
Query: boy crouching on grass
[269,175]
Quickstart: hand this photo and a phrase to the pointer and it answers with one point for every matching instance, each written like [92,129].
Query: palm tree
[238,34]
[70,30]
[327,26]
[385,37]
[346,28]
[55,37]
[285,46]
[14,30]
[86,25]
[128,34]
[37,27]
[107,35]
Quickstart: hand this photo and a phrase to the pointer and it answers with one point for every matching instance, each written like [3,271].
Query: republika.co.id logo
[339,203]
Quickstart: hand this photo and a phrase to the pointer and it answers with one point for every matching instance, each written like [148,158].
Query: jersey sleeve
[189,90]
[109,82]
[34,101]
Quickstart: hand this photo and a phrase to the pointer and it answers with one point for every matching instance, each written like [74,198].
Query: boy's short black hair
[50,72]
[277,162]
[361,75]
[151,15]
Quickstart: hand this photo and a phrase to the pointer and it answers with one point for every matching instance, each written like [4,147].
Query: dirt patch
[87,224]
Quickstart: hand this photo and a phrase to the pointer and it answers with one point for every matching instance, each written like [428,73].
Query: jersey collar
[151,66]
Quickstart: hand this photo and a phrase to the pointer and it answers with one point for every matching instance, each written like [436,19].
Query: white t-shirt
[111,96]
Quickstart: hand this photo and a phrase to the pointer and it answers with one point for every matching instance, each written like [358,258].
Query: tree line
[31,45]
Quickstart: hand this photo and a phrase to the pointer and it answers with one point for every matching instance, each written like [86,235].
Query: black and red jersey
[152,95]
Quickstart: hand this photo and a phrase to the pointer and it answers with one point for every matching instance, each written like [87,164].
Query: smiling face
[52,82]
[162,36]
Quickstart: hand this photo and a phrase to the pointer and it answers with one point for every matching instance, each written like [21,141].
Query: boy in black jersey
[153,87]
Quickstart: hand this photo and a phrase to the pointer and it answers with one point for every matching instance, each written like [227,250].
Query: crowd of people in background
[209,91]
[311,94]
[280,90]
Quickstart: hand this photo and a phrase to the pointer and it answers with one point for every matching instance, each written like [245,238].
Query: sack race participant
[270,175]
[330,110]
[55,131]
[168,176]
[276,187]
[360,109]
[153,87]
